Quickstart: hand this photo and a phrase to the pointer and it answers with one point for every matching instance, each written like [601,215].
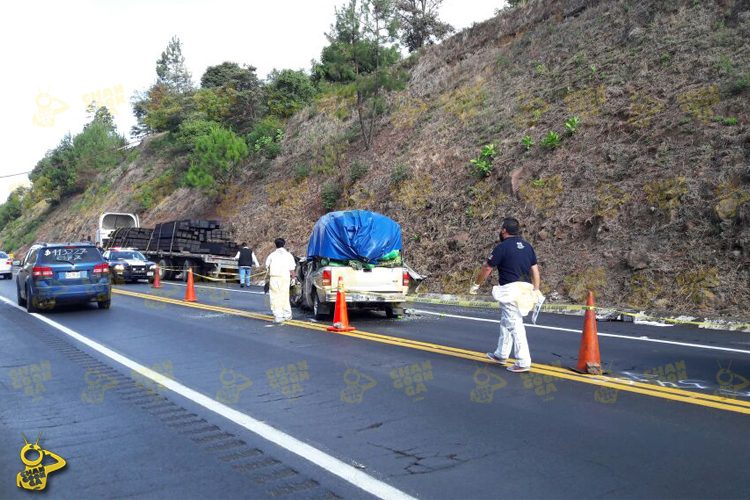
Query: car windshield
[127,255]
[3,255]
[75,255]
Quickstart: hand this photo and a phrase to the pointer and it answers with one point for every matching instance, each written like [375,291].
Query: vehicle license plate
[73,275]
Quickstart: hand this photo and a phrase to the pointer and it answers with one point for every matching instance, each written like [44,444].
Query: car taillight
[10,262]
[41,272]
[326,277]
[406,278]
[101,269]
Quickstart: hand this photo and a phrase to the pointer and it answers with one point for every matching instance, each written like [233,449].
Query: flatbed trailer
[174,264]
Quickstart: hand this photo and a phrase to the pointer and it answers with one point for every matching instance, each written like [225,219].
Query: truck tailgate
[379,279]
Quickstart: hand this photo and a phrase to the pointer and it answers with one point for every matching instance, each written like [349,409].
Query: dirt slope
[648,202]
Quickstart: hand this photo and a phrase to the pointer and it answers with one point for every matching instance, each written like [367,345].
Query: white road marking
[214,288]
[601,334]
[331,464]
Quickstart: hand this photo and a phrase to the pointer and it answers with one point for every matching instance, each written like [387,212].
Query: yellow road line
[670,393]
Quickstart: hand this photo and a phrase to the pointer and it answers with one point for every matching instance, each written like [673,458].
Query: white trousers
[278,292]
[513,334]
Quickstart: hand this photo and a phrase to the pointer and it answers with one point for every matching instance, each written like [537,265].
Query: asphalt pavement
[154,398]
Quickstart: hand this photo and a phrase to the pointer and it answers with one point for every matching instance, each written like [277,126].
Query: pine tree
[420,24]
[171,70]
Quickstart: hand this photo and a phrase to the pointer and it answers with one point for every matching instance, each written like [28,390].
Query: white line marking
[601,334]
[214,288]
[333,465]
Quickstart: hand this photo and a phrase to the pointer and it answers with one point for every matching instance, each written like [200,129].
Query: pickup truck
[364,250]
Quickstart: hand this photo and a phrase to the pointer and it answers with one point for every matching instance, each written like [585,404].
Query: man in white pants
[280,266]
[516,264]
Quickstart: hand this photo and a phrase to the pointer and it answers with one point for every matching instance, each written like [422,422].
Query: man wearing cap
[281,268]
[519,278]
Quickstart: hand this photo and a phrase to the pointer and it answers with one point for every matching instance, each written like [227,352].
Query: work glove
[474,289]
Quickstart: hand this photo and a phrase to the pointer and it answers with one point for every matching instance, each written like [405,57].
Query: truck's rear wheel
[189,264]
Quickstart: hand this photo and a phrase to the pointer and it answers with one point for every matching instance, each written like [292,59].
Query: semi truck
[177,246]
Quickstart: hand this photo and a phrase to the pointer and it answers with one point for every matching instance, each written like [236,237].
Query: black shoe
[242,286]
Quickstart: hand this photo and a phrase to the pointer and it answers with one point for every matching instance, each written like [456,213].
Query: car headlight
[119,267]
[152,267]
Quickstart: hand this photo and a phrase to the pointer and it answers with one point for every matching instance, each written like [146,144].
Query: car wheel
[21,300]
[9,276]
[30,307]
[320,311]
[104,304]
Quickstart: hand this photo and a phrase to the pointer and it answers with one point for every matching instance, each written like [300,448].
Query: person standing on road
[519,278]
[280,267]
[245,260]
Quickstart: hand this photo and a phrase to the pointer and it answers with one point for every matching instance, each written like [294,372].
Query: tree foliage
[237,94]
[363,50]
[420,24]
[171,70]
[69,168]
[288,91]
[13,207]
[216,158]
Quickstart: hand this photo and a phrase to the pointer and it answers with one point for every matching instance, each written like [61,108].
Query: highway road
[159,398]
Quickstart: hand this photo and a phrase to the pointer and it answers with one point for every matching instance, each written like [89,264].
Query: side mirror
[17,263]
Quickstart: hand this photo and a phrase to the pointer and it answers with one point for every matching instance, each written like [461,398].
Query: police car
[129,265]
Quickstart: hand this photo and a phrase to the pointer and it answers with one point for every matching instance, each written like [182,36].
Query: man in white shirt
[280,266]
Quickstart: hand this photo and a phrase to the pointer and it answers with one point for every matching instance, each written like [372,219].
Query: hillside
[647,201]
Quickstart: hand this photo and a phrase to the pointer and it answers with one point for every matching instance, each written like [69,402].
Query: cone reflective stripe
[589,359]
[157,280]
[190,291]
[340,316]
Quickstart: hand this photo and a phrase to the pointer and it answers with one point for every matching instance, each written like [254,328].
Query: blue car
[63,273]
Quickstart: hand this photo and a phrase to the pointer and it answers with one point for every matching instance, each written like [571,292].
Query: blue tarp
[354,235]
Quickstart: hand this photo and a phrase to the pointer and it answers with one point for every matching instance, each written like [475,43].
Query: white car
[6,264]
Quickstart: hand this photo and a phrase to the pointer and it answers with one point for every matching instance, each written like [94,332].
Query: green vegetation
[419,23]
[265,138]
[215,159]
[483,163]
[330,195]
[301,172]
[288,91]
[527,142]
[400,173]
[357,171]
[551,140]
[572,124]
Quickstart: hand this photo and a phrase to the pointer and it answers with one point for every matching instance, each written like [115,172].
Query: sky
[58,56]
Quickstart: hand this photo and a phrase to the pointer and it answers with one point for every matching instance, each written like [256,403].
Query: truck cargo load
[354,235]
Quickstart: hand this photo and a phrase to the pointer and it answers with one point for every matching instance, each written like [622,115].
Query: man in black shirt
[516,265]
[245,259]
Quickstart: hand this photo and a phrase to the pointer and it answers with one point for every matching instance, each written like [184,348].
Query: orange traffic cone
[157,281]
[589,360]
[190,291]
[340,316]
